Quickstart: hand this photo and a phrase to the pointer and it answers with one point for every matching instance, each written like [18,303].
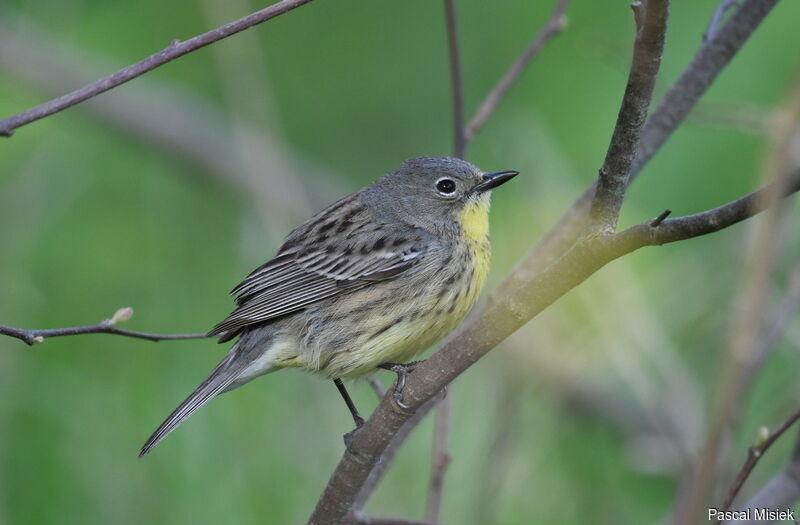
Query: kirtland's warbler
[369,282]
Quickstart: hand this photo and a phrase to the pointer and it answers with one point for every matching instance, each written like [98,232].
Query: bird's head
[437,193]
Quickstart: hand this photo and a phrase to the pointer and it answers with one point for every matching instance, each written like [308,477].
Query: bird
[369,282]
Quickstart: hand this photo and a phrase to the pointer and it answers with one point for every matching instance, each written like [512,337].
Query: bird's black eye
[445,186]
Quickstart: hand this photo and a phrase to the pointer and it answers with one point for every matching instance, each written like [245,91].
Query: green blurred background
[163,193]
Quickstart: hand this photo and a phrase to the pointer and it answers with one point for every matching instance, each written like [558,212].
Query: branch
[106,326]
[389,454]
[782,490]
[554,25]
[651,27]
[515,302]
[754,455]
[178,123]
[527,291]
[710,221]
[175,50]
[673,109]
[744,356]
[459,143]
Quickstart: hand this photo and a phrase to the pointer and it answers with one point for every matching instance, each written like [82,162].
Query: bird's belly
[399,332]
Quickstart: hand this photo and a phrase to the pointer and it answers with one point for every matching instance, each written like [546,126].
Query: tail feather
[220,378]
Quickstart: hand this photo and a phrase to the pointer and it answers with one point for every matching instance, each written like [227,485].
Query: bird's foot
[348,438]
[402,371]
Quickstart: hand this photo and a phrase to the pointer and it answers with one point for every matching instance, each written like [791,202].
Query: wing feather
[310,267]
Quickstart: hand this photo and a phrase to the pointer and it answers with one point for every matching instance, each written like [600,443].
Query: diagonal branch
[539,280]
[782,491]
[175,50]
[554,25]
[106,326]
[651,28]
[671,111]
[754,454]
[389,453]
[517,300]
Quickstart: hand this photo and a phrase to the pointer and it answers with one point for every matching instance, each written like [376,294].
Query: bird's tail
[221,377]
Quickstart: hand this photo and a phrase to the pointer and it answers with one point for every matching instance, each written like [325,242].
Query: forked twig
[106,326]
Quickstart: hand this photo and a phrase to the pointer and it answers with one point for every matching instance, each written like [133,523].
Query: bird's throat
[474,219]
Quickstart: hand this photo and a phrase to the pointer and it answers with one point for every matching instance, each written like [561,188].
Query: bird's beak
[493,180]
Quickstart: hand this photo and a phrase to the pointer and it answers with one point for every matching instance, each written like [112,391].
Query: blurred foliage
[544,430]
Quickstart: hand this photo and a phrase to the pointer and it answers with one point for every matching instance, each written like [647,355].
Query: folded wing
[311,268]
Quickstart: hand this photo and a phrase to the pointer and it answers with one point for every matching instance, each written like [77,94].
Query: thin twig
[744,355]
[716,18]
[782,491]
[175,50]
[651,27]
[658,220]
[439,462]
[106,326]
[175,121]
[754,455]
[671,111]
[554,25]
[455,78]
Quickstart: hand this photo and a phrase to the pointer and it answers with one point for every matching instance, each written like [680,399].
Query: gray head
[433,192]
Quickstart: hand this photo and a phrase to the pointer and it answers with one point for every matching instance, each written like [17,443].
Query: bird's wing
[312,266]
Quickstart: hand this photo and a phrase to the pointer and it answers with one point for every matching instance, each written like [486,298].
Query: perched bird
[369,282]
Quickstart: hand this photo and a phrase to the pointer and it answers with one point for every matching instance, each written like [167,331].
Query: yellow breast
[475,228]
[474,219]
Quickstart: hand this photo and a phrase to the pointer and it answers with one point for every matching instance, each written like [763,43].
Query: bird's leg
[348,438]
[350,405]
[402,371]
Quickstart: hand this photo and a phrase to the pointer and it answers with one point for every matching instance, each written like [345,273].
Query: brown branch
[651,27]
[754,455]
[106,326]
[515,302]
[707,64]
[440,460]
[178,123]
[743,357]
[671,111]
[389,454]
[782,491]
[459,143]
[554,25]
[528,290]
[175,50]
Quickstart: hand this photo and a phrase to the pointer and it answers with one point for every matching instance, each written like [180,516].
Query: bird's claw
[402,371]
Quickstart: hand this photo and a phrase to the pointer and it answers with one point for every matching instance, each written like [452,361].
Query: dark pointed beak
[493,180]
